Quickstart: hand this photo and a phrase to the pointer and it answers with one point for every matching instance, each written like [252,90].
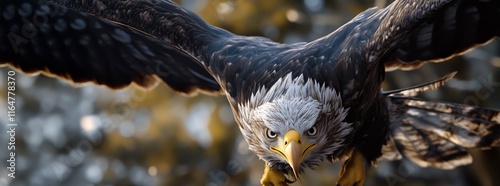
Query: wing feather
[436,134]
[453,31]
[428,149]
[62,42]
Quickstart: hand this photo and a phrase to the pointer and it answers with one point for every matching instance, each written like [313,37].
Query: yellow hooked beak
[294,149]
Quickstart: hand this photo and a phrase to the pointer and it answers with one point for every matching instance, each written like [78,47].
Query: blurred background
[89,135]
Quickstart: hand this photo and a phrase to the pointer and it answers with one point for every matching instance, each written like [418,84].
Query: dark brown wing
[59,41]
[452,31]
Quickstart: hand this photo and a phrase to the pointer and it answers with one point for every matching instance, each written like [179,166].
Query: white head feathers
[294,103]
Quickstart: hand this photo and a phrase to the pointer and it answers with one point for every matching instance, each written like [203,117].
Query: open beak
[294,149]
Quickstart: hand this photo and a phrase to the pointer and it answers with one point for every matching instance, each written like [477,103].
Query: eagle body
[250,82]
[304,103]
[296,104]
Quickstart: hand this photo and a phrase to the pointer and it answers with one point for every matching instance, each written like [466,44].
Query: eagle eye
[312,131]
[271,134]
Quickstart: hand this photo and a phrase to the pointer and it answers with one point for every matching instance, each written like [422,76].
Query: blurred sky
[89,135]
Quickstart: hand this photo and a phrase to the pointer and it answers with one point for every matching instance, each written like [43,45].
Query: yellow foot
[273,177]
[353,172]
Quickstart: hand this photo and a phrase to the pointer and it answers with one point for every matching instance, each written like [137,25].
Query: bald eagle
[296,105]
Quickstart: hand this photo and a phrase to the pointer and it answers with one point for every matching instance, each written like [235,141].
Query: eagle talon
[273,177]
[353,172]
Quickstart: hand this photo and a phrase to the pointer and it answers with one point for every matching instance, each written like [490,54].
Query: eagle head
[295,124]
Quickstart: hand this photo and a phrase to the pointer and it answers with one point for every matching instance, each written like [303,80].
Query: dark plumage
[337,77]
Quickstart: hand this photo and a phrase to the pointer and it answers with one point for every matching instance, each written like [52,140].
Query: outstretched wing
[38,36]
[452,31]
[149,38]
